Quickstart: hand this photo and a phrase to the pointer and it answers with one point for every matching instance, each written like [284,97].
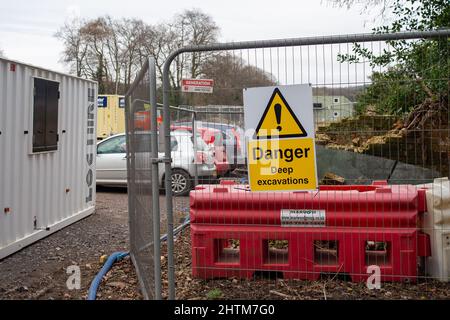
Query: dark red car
[213,138]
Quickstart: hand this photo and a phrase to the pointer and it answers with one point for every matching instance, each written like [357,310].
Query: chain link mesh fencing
[140,193]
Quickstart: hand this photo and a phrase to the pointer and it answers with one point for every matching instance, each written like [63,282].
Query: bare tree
[158,41]
[192,27]
[230,75]
[114,52]
[75,46]
[132,34]
[111,51]
[196,28]
[96,33]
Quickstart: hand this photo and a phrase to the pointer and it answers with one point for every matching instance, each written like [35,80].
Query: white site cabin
[47,152]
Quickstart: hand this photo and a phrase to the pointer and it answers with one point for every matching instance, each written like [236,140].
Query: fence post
[194,135]
[168,181]
[130,171]
[155,177]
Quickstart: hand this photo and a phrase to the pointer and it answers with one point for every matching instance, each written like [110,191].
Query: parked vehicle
[112,165]
[234,141]
[214,139]
[232,137]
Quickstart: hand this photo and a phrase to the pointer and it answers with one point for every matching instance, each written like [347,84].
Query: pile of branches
[432,113]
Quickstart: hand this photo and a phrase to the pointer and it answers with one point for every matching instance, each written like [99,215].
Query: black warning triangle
[278,120]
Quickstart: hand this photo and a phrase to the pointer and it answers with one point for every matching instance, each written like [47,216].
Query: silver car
[112,164]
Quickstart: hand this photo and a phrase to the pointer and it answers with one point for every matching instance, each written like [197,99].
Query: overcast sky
[27,28]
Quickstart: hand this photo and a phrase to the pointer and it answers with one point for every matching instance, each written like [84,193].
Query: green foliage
[391,92]
[214,294]
[411,70]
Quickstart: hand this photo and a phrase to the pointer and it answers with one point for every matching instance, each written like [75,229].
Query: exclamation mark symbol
[278,115]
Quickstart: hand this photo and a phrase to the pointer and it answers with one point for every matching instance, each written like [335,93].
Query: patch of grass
[214,294]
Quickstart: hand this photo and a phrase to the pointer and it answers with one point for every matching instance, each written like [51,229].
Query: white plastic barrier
[437,224]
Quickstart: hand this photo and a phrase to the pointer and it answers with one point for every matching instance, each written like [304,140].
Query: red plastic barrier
[142,120]
[236,232]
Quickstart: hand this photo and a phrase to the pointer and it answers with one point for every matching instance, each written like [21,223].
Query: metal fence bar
[155,175]
[177,108]
[218,112]
[130,164]
[139,76]
[194,135]
[334,39]
[168,189]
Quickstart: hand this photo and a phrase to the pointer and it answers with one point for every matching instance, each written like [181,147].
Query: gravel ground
[39,271]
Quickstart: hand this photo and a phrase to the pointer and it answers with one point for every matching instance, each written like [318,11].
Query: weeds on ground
[214,294]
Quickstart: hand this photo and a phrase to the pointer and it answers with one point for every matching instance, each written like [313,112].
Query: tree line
[112,51]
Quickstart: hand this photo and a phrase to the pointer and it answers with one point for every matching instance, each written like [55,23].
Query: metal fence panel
[358,141]
[143,181]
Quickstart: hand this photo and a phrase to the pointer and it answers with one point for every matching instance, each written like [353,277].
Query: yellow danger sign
[281,150]
[278,120]
[282,164]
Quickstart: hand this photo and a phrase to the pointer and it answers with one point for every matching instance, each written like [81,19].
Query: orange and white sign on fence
[197,85]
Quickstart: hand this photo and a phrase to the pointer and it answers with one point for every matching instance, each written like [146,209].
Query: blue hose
[117,256]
